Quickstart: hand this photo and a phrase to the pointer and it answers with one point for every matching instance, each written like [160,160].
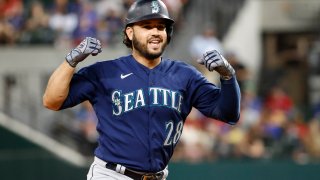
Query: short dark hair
[126,41]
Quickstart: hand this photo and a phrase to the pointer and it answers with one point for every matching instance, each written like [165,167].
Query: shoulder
[102,68]
[105,64]
[184,71]
[179,65]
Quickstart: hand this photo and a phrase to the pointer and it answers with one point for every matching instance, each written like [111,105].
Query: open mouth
[155,43]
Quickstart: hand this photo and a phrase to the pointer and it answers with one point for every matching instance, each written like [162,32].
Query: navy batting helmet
[142,10]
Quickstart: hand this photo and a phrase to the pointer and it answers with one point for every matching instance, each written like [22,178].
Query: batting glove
[88,46]
[213,60]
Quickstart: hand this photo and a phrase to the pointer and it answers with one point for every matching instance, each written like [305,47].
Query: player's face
[149,38]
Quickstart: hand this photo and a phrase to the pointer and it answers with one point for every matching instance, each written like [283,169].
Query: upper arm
[205,96]
[215,102]
[83,86]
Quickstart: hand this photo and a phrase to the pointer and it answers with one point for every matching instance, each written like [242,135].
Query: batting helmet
[142,10]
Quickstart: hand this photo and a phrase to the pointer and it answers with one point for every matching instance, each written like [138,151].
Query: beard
[143,50]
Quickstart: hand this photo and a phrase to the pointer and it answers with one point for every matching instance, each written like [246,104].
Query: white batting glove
[88,46]
[214,61]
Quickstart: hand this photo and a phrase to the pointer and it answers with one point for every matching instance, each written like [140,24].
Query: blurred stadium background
[273,44]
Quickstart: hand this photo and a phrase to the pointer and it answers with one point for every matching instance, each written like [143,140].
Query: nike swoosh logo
[125,75]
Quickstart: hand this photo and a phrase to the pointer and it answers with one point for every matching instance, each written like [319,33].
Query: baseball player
[142,99]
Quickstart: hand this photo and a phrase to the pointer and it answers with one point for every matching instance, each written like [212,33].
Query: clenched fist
[214,61]
[88,46]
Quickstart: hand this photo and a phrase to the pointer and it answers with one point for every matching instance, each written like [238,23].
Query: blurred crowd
[270,127]
[64,23]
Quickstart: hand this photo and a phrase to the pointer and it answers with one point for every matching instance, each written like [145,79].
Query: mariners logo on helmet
[155,7]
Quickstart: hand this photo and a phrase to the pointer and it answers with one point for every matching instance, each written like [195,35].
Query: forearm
[58,86]
[227,108]
[229,102]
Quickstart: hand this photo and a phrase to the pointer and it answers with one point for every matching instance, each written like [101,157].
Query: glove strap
[226,77]
[74,57]
[72,63]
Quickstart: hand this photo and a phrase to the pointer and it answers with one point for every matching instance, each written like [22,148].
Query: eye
[161,27]
[147,27]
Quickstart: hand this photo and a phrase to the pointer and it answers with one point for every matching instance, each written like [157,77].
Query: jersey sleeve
[222,103]
[82,88]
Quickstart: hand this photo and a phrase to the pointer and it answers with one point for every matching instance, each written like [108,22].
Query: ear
[129,32]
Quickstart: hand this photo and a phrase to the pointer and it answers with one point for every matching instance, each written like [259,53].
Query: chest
[130,91]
